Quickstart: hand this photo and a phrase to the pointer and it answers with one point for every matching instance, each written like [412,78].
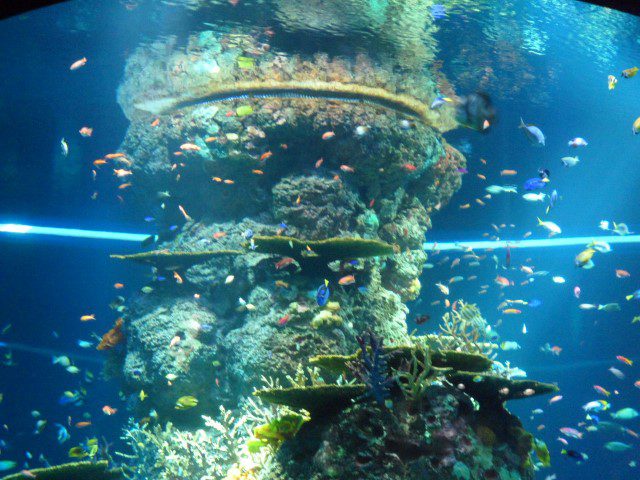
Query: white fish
[509,345]
[578,142]
[551,227]
[524,329]
[619,375]
[62,360]
[602,247]
[443,288]
[603,225]
[570,161]
[558,279]
[534,197]
[229,279]
[496,189]
[620,229]
[64,147]
[587,306]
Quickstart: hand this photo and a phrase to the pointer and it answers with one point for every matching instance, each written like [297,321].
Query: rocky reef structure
[280,179]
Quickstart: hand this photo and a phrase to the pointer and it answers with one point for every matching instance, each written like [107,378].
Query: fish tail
[522,124]
[540,222]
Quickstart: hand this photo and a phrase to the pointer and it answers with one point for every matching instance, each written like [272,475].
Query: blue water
[49,282]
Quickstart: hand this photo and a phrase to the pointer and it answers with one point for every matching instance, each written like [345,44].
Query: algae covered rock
[319,400]
[73,471]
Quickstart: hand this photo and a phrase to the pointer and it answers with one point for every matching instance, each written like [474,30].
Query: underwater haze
[303,239]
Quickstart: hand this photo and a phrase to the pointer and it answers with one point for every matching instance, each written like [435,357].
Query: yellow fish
[584,257]
[142,395]
[612,82]
[186,402]
[636,126]
[630,72]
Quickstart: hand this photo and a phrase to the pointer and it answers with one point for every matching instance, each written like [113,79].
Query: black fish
[424,318]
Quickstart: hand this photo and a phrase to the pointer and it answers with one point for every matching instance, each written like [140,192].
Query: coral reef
[72,471]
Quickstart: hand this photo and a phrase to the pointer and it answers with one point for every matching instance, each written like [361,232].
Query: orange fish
[624,360]
[328,135]
[409,167]
[118,286]
[184,213]
[347,280]
[502,281]
[480,176]
[109,156]
[99,162]
[347,168]
[177,154]
[190,147]
[601,390]
[178,278]
[319,162]
[556,350]
[155,123]
[282,284]
[257,172]
[512,311]
[283,320]
[86,318]
[210,139]
[124,185]
[622,274]
[107,410]
[218,235]
[78,63]
[86,131]
[298,200]
[216,179]
[83,424]
[505,173]
[265,156]
[486,124]
[229,182]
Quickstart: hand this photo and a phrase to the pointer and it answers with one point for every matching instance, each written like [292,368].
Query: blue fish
[283,226]
[533,133]
[362,289]
[534,303]
[248,234]
[63,433]
[354,262]
[534,184]
[323,294]
[149,219]
[173,228]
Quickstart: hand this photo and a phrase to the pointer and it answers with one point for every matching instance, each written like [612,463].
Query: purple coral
[372,369]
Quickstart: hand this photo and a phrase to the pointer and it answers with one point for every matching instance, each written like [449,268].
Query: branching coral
[464,329]
[168,453]
[415,377]
[372,370]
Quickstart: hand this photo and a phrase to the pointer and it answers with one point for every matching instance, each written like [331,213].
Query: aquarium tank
[319,239]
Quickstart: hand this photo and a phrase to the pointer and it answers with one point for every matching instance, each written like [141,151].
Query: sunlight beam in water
[540,243]
[71,232]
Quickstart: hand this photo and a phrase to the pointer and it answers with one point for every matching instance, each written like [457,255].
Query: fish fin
[540,222]
[522,124]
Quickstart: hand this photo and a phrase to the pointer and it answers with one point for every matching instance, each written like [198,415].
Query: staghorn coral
[464,329]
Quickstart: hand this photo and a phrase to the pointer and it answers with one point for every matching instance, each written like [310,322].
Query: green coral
[278,430]
[73,471]
[328,250]
[319,400]
[326,318]
[464,361]
[167,260]
[488,388]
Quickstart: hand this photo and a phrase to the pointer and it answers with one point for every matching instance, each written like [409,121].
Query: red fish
[284,263]
[409,167]
[319,162]
[503,282]
[107,410]
[347,168]
[283,320]
[624,360]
